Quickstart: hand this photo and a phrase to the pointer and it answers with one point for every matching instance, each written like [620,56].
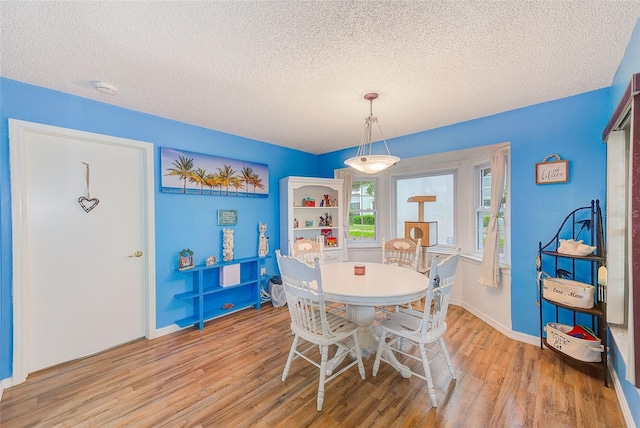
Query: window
[440,185]
[483,209]
[362,211]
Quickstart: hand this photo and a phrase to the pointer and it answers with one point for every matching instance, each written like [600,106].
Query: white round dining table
[381,285]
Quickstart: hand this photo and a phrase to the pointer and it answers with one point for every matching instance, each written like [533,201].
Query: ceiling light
[365,161]
[105,88]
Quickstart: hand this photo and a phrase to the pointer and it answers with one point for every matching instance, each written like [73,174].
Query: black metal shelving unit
[583,223]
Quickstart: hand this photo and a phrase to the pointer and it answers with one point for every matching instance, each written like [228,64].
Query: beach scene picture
[199,174]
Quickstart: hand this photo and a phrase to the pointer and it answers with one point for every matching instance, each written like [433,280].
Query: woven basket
[580,349]
[568,292]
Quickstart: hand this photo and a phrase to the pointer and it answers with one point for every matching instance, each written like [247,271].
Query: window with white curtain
[483,205]
[442,186]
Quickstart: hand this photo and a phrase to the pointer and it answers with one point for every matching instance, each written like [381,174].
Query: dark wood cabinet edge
[591,258]
[596,310]
[633,89]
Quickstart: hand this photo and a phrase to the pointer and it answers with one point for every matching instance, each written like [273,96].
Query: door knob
[136,254]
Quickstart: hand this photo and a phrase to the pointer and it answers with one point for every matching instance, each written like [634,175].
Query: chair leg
[324,350]
[376,363]
[427,374]
[292,352]
[443,347]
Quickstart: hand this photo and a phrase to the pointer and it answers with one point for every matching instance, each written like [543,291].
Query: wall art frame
[191,173]
[549,172]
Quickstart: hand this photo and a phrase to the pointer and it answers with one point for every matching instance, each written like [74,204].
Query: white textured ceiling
[294,73]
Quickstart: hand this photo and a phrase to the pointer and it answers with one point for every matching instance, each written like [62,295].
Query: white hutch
[311,208]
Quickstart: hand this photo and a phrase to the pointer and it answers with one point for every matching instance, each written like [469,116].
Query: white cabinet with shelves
[298,219]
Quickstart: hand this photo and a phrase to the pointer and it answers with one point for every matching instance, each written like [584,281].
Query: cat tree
[427,230]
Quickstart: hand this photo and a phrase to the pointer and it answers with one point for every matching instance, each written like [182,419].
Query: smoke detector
[105,88]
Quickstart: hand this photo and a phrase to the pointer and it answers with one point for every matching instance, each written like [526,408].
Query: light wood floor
[228,375]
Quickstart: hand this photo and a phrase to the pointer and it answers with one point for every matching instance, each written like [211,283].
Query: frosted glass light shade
[371,164]
[364,161]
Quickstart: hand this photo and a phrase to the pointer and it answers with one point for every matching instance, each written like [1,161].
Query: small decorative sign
[553,171]
[227,217]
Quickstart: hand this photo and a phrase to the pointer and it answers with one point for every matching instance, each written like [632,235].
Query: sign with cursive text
[552,172]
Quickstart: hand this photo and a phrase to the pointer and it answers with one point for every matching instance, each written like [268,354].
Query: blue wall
[197,226]
[629,65]
[570,127]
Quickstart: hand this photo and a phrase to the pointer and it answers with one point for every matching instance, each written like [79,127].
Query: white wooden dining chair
[307,250]
[402,252]
[311,322]
[420,328]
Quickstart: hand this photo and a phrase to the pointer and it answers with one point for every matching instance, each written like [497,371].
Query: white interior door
[83,290]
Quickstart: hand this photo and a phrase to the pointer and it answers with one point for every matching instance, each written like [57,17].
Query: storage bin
[580,349]
[276,290]
[568,292]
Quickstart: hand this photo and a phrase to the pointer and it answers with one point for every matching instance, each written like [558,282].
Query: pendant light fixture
[365,161]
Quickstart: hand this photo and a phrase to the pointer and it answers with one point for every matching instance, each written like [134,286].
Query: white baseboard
[166,330]
[624,406]
[520,337]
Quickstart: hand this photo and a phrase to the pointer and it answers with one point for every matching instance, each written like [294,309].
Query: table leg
[364,317]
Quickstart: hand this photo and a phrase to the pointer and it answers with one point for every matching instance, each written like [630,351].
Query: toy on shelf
[308,202]
[326,233]
[263,246]
[326,220]
[185,259]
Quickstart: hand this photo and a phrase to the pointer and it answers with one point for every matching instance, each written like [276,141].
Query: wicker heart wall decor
[88,203]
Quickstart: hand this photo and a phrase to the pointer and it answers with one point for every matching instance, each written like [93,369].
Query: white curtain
[347,184]
[618,223]
[619,239]
[490,269]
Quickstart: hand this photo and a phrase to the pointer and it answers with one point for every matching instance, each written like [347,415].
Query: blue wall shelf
[211,300]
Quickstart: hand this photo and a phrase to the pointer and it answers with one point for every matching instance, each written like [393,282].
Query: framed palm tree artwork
[200,174]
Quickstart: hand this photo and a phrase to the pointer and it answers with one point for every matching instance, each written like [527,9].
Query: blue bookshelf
[210,299]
